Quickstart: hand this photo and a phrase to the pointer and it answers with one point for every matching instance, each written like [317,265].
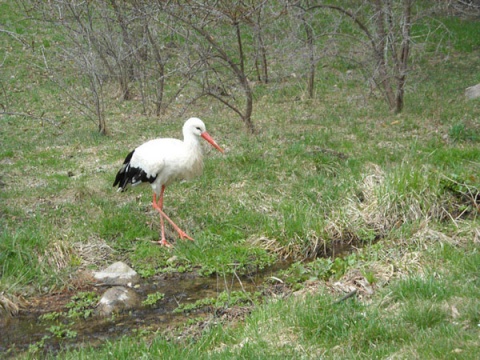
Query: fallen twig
[349,295]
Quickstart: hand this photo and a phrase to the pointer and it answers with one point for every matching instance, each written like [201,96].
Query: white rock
[472,92]
[116,300]
[118,273]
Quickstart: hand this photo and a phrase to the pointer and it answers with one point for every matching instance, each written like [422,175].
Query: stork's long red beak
[207,137]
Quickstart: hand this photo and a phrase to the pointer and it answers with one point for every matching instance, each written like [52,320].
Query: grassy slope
[429,316]
[336,169]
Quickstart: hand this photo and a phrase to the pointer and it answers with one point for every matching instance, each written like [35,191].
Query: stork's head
[195,126]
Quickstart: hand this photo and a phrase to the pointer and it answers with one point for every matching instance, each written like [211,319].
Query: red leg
[160,200]
[163,241]
[159,207]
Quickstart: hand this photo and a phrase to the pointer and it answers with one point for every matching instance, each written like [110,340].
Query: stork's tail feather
[123,179]
[131,175]
[120,180]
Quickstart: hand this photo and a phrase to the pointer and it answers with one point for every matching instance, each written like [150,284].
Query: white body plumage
[168,160]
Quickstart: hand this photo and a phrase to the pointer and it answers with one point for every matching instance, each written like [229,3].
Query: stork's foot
[164,242]
[183,235]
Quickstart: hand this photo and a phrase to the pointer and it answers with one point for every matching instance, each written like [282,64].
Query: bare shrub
[384,29]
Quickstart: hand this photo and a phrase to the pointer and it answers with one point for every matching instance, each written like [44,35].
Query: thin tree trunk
[161,73]
[380,55]
[240,47]
[125,64]
[312,67]
[261,48]
[404,54]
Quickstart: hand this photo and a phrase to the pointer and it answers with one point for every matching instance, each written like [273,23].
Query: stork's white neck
[192,141]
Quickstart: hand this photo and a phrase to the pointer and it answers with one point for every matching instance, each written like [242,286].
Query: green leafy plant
[82,305]
[38,346]
[62,331]
[51,316]
[152,299]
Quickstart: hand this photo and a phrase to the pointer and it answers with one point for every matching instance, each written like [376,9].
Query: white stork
[162,161]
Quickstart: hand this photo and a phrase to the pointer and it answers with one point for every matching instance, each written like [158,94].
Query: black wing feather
[131,175]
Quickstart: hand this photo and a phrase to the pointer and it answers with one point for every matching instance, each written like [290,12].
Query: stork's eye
[198,128]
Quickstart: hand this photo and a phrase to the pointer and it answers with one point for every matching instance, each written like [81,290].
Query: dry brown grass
[93,252]
[10,305]
[368,215]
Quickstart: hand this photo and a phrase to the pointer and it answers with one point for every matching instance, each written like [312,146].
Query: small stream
[19,333]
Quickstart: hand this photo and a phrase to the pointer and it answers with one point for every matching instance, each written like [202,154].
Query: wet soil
[26,329]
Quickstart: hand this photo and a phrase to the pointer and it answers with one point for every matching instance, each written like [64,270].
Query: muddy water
[19,333]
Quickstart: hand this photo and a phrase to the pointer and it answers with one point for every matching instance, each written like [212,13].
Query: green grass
[319,174]
[427,317]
